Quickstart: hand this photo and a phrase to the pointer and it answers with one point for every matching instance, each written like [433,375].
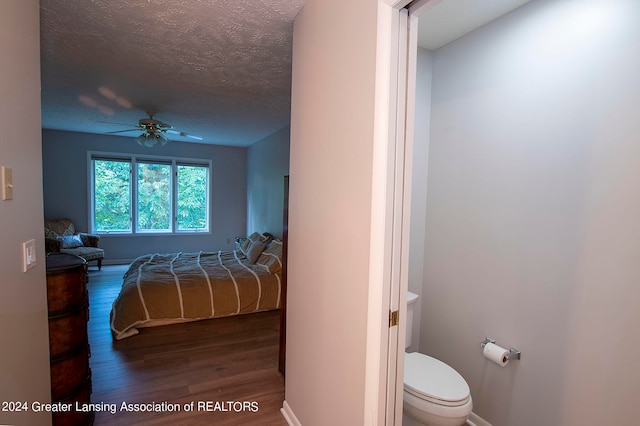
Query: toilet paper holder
[513,352]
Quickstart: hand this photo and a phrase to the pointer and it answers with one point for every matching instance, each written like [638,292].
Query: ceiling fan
[153,131]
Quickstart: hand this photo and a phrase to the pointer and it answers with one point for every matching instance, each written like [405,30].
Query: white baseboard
[288,415]
[476,420]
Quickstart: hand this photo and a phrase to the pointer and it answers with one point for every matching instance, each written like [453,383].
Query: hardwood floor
[227,367]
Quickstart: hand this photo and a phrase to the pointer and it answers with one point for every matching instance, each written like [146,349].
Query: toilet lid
[431,379]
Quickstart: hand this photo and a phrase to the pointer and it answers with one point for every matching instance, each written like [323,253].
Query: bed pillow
[271,257]
[256,237]
[246,244]
[71,241]
[255,249]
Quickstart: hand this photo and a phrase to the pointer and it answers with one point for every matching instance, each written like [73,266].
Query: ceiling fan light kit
[152,139]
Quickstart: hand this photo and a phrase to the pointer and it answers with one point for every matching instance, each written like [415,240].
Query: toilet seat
[432,380]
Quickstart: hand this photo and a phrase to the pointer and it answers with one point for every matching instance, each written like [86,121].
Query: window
[153,197]
[112,189]
[192,197]
[148,195]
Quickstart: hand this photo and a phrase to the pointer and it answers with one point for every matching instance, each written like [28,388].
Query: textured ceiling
[216,68]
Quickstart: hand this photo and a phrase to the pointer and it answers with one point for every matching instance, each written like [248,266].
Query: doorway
[431,25]
[526,182]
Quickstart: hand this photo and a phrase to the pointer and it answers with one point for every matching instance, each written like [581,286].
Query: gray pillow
[71,241]
[254,251]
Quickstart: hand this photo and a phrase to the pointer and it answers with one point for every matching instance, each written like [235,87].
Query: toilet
[434,393]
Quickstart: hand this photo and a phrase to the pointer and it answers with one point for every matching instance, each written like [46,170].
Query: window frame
[134,160]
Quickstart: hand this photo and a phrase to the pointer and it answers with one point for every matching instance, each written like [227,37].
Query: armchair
[60,236]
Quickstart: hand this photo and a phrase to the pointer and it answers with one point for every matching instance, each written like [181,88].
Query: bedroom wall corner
[267,164]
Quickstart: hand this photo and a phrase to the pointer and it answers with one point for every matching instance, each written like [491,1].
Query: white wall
[419,185]
[24,358]
[267,165]
[65,194]
[334,56]
[532,231]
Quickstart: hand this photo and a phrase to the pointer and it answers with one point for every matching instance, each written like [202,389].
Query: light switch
[7,183]
[28,255]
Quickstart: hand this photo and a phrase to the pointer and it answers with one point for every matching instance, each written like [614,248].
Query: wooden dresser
[69,352]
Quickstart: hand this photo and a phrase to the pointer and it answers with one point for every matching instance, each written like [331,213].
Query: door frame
[397,48]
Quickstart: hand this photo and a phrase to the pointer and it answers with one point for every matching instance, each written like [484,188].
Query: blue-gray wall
[267,164]
[66,194]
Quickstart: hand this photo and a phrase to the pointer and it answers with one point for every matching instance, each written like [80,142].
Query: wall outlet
[28,255]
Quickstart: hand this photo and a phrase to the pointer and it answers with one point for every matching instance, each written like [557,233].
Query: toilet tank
[412,298]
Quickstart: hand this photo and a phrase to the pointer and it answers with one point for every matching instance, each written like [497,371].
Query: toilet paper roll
[496,353]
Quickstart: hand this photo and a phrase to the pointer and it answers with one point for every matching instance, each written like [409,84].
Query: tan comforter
[163,289]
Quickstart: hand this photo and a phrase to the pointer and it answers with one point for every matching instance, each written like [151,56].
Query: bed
[169,288]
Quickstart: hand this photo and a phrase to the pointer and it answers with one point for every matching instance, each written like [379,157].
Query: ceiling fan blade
[123,131]
[112,122]
[152,127]
[187,135]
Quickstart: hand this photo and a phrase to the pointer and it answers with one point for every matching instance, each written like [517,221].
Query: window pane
[154,197]
[192,197]
[112,195]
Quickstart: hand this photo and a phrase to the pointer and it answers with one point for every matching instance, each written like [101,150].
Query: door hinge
[394,318]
